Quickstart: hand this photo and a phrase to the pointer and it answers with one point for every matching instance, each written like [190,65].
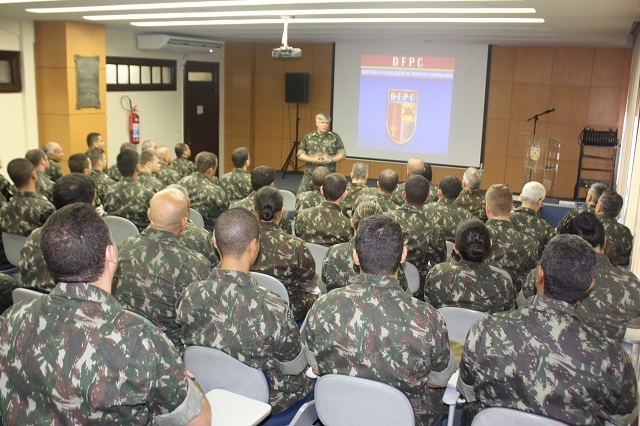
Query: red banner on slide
[408,62]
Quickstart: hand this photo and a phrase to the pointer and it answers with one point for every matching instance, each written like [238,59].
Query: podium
[541,159]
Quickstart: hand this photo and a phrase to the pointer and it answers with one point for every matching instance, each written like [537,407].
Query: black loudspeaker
[296,87]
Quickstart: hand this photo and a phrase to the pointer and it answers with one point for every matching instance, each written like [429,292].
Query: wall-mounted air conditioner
[178,43]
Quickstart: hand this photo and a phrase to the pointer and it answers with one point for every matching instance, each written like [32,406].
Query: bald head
[164,155]
[415,166]
[168,210]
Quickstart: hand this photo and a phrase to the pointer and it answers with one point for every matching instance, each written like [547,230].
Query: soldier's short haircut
[611,203]
[473,240]
[239,156]
[451,187]
[473,178]
[128,146]
[334,186]
[532,192]
[499,198]
[416,190]
[206,160]
[587,226]
[318,175]
[428,172]
[379,244]
[92,138]
[73,188]
[180,149]
[146,156]
[95,155]
[388,180]
[162,151]
[262,176]
[323,116]
[569,266]
[147,145]
[234,230]
[127,161]
[415,166]
[20,170]
[74,240]
[596,190]
[268,202]
[79,162]
[364,210]
[359,170]
[48,148]
[35,156]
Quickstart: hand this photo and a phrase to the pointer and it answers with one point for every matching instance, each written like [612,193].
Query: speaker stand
[292,159]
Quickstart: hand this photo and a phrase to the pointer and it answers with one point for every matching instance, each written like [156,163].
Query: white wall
[160,112]
[18,111]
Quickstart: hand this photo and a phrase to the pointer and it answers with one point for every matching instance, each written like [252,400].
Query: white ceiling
[589,23]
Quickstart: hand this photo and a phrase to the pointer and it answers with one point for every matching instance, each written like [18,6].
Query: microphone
[548,111]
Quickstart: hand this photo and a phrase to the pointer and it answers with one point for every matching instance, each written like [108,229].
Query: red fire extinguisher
[134,121]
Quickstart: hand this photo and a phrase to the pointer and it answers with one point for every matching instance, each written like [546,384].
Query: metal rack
[598,155]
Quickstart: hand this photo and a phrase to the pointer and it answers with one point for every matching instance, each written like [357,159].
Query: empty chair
[25,294]
[413,276]
[272,284]
[346,400]
[318,252]
[459,321]
[196,218]
[13,244]
[499,416]
[289,200]
[120,228]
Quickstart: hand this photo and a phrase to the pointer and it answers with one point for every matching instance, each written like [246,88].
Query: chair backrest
[346,400]
[214,369]
[121,228]
[497,416]
[272,284]
[503,273]
[459,321]
[289,199]
[25,294]
[13,244]
[306,415]
[318,252]
[413,276]
[196,218]
[449,249]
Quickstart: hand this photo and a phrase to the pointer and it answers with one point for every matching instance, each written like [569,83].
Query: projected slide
[405,103]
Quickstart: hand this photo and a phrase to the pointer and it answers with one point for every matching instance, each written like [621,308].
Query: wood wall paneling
[572,66]
[50,48]
[496,136]
[500,100]
[239,59]
[567,134]
[502,64]
[268,121]
[611,67]
[533,65]
[269,90]
[52,89]
[528,100]
[517,141]
[239,88]
[571,104]
[237,120]
[322,59]
[495,167]
[264,63]
[604,106]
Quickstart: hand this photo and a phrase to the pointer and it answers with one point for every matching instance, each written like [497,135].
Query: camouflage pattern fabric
[207,198]
[528,222]
[103,183]
[154,269]
[474,202]
[54,171]
[542,359]
[6,188]
[619,240]
[375,330]
[150,182]
[470,285]
[33,269]
[25,212]
[339,270]
[314,143]
[114,173]
[7,285]
[130,200]
[87,361]
[433,193]
[200,241]
[446,214]
[308,199]
[397,199]
[288,259]
[183,166]
[563,225]
[355,190]
[237,184]
[324,224]
[512,251]
[45,185]
[231,312]
[247,204]
[168,175]
[384,201]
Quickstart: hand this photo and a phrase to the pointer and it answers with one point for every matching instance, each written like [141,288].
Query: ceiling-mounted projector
[285,51]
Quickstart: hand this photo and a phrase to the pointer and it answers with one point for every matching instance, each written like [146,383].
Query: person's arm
[317,158]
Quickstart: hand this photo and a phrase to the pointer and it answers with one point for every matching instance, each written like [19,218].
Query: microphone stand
[535,118]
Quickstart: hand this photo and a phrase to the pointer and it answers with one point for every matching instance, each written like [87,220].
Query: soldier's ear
[540,281]
[356,259]
[215,243]
[404,255]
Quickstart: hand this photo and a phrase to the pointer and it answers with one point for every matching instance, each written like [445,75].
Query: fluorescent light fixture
[22,1]
[320,12]
[215,22]
[220,3]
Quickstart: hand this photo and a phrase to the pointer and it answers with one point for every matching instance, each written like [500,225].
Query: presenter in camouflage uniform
[320,148]
[237,183]
[525,218]
[619,237]
[375,330]
[543,359]
[470,198]
[445,213]
[231,312]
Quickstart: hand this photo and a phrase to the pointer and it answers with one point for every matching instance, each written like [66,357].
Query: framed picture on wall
[10,72]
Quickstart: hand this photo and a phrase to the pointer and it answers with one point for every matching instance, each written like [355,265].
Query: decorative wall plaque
[87,85]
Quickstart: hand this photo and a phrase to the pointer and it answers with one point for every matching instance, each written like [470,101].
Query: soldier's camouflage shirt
[247,204]
[619,240]
[314,143]
[103,182]
[54,171]
[154,269]
[396,197]
[76,357]
[474,202]
[45,185]
[200,241]
[308,199]
[470,285]
[7,285]
[236,183]
[528,222]
[288,259]
[114,173]
[206,197]
[324,224]
[231,312]
[446,214]
[25,212]
[33,269]
[168,175]
[6,188]
[183,166]
[355,190]
[543,359]
[130,200]
[375,330]
[563,225]
[150,182]
[384,201]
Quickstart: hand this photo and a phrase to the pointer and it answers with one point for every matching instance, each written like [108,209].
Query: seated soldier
[433,188]
[357,187]
[543,359]
[231,312]
[88,360]
[55,154]
[326,224]
[312,198]
[237,183]
[98,164]
[41,164]
[619,237]
[415,167]
[525,218]
[80,163]
[470,197]
[595,191]
[445,213]
[127,198]
[182,164]
[27,209]
[113,172]
[375,330]
[167,174]
[155,267]
[149,169]
[387,183]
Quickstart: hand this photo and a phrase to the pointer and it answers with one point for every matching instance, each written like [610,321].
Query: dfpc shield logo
[402,110]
